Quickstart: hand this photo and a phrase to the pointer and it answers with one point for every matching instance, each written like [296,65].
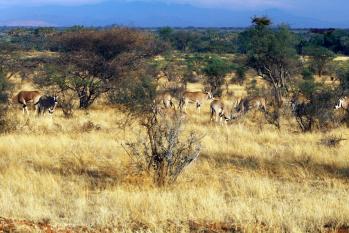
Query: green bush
[5,86]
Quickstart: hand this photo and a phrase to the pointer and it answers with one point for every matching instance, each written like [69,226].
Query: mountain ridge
[150,14]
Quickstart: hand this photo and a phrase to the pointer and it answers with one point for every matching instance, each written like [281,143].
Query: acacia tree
[320,58]
[271,52]
[91,61]
[5,86]
[216,70]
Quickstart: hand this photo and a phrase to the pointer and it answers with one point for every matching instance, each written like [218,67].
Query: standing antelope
[164,98]
[47,103]
[343,103]
[26,97]
[218,110]
[250,103]
[197,97]
[257,102]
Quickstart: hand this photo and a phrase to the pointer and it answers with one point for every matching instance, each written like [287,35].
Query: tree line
[119,62]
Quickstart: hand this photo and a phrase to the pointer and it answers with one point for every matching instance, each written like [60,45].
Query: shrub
[313,106]
[164,153]
[331,140]
[216,70]
[5,86]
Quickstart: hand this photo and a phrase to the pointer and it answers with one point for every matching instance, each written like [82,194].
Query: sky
[317,12]
[296,4]
[206,3]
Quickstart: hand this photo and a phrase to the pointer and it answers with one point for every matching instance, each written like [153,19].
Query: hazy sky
[215,3]
[324,12]
[296,5]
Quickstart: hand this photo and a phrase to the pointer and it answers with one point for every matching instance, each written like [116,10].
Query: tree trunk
[84,102]
[277,106]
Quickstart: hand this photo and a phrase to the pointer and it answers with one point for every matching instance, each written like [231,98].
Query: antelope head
[55,99]
[340,103]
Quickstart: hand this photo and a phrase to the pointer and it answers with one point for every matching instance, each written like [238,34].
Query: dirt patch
[19,226]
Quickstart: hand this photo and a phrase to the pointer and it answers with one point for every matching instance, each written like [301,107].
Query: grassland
[249,175]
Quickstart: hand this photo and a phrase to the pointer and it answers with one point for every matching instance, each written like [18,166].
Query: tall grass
[248,175]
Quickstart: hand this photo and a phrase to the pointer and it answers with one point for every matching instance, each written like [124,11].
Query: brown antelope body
[249,103]
[27,97]
[164,99]
[197,97]
[218,110]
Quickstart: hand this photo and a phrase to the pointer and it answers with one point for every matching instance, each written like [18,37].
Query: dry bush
[67,104]
[89,126]
[164,153]
[8,121]
[331,140]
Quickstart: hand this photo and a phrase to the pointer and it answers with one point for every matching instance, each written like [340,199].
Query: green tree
[272,53]
[92,62]
[216,70]
[320,58]
[5,86]
[261,21]
[165,33]
[343,75]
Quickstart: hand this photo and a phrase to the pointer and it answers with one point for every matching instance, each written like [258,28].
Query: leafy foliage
[320,58]
[5,86]
[92,62]
[216,71]
[273,55]
[313,104]
[135,94]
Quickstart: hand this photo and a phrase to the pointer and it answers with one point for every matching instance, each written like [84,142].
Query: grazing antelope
[249,103]
[343,103]
[218,110]
[197,97]
[26,97]
[164,98]
[47,103]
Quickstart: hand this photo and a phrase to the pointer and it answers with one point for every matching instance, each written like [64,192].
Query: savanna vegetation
[115,157]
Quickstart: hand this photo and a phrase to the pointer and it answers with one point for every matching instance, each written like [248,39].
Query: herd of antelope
[164,104]
[42,103]
[219,112]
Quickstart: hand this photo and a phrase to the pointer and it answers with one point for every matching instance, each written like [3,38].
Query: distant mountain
[148,14]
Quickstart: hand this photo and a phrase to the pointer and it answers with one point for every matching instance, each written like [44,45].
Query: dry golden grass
[249,174]
[341,58]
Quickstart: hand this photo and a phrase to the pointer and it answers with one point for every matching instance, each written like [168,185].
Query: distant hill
[148,14]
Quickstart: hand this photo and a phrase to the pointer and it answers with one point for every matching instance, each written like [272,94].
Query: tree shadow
[282,169]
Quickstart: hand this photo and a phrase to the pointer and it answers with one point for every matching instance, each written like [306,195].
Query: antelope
[343,103]
[218,110]
[250,103]
[197,97]
[26,97]
[47,103]
[164,98]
